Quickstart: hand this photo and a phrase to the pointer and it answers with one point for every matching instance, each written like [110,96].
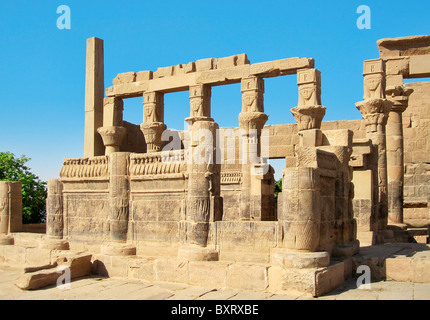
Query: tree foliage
[278,187]
[33,189]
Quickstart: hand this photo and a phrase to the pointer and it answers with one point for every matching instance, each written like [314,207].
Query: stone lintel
[404,46]
[419,66]
[132,84]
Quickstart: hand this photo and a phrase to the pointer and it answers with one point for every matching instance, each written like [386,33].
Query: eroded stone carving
[112,138]
[4,208]
[54,209]
[96,167]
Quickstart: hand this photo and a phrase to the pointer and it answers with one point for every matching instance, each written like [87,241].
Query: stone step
[409,262]
[25,239]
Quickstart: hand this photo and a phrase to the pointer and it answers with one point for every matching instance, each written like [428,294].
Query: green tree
[33,189]
[278,187]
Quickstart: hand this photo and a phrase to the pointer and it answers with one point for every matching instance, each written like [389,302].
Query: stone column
[375,109]
[399,96]
[54,218]
[119,192]
[153,120]
[300,217]
[203,203]
[94,93]
[252,120]
[112,132]
[10,210]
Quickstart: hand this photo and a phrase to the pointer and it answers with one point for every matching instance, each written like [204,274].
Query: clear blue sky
[42,68]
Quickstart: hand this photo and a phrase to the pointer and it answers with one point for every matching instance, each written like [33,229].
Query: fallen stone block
[79,265]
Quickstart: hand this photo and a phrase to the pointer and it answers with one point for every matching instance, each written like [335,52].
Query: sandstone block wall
[416,122]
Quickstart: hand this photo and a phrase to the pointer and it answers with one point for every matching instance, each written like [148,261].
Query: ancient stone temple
[198,206]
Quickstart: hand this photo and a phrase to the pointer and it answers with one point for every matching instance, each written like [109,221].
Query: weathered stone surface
[80,265]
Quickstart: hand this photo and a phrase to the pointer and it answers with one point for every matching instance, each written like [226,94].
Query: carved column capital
[309,82]
[112,138]
[252,94]
[200,103]
[309,113]
[309,117]
[399,95]
[152,132]
[375,112]
[153,103]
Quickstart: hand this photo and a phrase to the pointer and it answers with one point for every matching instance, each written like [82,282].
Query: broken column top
[211,71]
[404,46]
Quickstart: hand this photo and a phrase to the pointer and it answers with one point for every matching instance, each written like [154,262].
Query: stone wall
[416,122]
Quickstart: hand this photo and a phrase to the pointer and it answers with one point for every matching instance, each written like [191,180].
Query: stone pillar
[375,109]
[153,120]
[203,203]
[119,192]
[112,132]
[252,120]
[94,93]
[10,210]
[54,217]
[399,96]
[300,217]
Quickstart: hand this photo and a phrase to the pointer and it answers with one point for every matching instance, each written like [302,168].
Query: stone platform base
[399,262]
[404,262]
[198,254]
[118,249]
[225,274]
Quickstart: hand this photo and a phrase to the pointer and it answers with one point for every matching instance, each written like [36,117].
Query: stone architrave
[153,120]
[399,96]
[375,109]
[94,93]
[251,120]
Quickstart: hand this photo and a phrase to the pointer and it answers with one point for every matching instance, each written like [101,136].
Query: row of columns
[385,99]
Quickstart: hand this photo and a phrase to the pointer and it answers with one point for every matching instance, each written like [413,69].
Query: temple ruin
[202,210]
